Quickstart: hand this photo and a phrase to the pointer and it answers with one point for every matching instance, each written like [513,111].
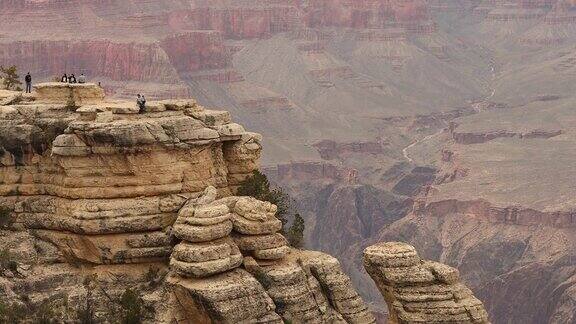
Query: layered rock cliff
[97,198]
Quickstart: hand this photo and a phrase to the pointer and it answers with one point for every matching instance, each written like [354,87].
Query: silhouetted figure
[72,79]
[82,78]
[141,103]
[28,80]
[64,78]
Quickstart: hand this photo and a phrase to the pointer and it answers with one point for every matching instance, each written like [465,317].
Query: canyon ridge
[445,124]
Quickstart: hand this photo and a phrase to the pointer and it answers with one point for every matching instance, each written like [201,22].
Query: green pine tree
[11,78]
[296,232]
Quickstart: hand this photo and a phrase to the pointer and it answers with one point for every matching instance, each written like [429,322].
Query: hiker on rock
[82,78]
[64,78]
[28,80]
[141,101]
[72,79]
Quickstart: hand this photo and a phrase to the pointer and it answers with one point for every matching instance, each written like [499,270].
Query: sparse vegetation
[6,262]
[153,276]
[11,78]
[5,218]
[295,234]
[44,314]
[86,312]
[12,313]
[210,120]
[131,304]
[3,310]
[259,187]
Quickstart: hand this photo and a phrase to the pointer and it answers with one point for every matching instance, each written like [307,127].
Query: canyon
[446,124]
[100,201]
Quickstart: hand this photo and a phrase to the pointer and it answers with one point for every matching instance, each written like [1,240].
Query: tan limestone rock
[419,291]
[213,118]
[61,92]
[231,297]
[131,197]
[254,217]
[193,233]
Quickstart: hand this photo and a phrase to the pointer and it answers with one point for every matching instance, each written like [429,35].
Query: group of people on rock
[65,78]
[140,101]
[72,79]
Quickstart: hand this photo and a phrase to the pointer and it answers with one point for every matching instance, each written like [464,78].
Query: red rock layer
[106,59]
[196,51]
[364,13]
[238,23]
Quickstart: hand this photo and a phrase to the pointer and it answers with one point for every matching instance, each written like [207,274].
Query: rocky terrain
[418,291]
[442,123]
[99,200]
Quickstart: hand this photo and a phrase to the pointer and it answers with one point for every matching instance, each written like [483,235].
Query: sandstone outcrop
[63,92]
[97,195]
[111,173]
[418,291]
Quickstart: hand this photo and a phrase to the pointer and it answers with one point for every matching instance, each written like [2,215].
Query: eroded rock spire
[419,291]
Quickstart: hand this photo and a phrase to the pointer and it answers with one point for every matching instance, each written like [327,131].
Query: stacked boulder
[215,232]
[256,229]
[204,226]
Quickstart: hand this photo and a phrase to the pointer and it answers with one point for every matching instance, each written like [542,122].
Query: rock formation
[99,188]
[370,82]
[419,291]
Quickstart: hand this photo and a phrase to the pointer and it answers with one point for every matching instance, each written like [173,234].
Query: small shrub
[295,234]
[6,262]
[152,273]
[210,120]
[44,315]
[13,313]
[85,313]
[131,307]
[11,77]
[3,310]
[5,219]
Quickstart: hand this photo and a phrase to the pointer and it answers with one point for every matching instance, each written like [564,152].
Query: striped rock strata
[96,198]
[418,291]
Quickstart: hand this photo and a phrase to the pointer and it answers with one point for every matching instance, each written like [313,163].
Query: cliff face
[94,189]
[157,42]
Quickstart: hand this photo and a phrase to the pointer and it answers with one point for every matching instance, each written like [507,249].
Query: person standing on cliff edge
[141,102]
[28,80]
